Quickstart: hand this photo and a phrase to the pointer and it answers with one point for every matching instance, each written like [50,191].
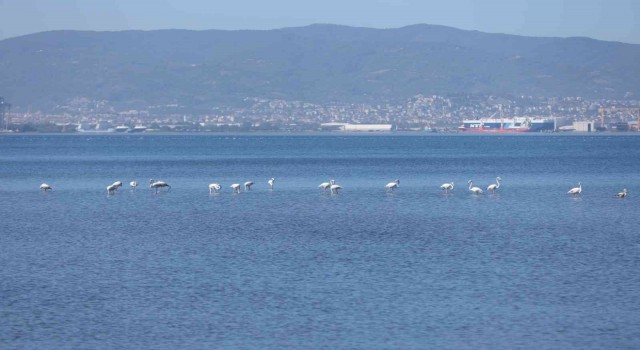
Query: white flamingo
[622,194]
[118,184]
[495,186]
[391,186]
[446,187]
[133,185]
[45,187]
[214,188]
[576,190]
[334,188]
[111,188]
[271,182]
[236,188]
[158,184]
[327,185]
[476,190]
[247,185]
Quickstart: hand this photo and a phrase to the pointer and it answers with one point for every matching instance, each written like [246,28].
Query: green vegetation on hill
[317,63]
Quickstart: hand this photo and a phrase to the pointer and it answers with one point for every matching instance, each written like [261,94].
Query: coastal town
[420,113]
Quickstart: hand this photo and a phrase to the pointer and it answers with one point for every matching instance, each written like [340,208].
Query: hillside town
[432,113]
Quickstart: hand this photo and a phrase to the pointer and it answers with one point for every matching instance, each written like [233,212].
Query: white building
[357,127]
[584,126]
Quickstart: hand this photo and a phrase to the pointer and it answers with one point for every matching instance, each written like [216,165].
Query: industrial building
[356,127]
[588,126]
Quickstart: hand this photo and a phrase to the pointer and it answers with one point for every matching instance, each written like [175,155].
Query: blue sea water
[529,267]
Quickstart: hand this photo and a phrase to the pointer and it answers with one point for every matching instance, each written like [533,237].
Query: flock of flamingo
[331,186]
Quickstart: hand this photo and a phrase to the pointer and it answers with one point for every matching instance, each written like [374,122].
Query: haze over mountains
[317,63]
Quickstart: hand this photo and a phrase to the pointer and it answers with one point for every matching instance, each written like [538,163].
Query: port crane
[603,111]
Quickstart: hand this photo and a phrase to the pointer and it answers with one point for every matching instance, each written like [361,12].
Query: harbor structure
[4,114]
[349,127]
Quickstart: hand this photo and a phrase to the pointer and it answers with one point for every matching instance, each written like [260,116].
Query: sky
[613,20]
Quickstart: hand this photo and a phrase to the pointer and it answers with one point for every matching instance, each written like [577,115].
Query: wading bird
[158,184]
[495,186]
[111,188]
[576,190]
[391,186]
[622,194]
[46,187]
[327,185]
[446,187]
[476,190]
[214,188]
[271,182]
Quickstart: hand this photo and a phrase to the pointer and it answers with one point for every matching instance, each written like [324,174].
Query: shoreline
[331,133]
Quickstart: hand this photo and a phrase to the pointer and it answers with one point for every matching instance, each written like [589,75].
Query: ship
[138,128]
[510,124]
[99,128]
[507,125]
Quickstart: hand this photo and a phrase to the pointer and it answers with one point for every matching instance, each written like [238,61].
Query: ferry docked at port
[498,123]
[137,128]
[507,125]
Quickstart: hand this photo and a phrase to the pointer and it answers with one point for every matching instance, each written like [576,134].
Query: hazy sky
[617,20]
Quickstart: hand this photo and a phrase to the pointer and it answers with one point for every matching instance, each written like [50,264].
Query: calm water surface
[528,267]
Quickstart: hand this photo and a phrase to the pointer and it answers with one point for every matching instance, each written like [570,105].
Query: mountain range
[317,63]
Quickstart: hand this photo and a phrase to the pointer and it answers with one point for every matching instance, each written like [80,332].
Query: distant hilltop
[316,64]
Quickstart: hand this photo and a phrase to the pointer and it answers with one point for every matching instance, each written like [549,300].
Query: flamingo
[45,187]
[391,186]
[622,194]
[111,188]
[117,184]
[476,190]
[247,185]
[334,188]
[495,186]
[133,185]
[576,190]
[326,185]
[446,187]
[236,188]
[158,184]
[271,182]
[214,188]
